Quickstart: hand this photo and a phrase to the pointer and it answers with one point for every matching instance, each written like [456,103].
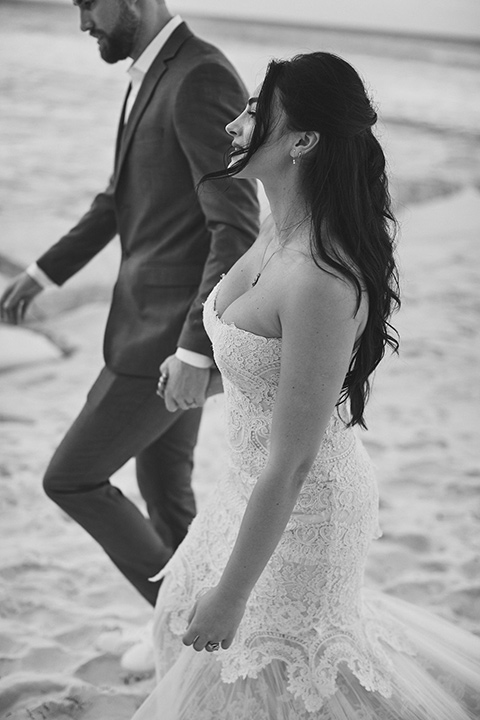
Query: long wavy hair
[345,187]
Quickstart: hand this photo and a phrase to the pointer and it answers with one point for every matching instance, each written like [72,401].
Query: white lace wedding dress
[313,643]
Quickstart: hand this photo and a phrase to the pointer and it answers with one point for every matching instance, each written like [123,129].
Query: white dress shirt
[141,66]
[137,72]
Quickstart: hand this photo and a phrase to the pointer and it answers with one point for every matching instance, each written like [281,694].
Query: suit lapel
[157,69]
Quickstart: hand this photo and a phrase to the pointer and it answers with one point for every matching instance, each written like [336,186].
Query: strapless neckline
[232,324]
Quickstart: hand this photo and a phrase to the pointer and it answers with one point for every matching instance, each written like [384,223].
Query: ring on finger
[195,640]
[212,646]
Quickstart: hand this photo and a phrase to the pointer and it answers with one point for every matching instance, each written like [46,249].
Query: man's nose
[85,21]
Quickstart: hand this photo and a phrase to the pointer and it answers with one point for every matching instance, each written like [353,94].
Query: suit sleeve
[90,235]
[210,96]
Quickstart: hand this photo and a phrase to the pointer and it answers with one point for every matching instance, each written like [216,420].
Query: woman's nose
[231,128]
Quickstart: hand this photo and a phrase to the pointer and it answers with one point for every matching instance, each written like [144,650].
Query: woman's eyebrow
[252,100]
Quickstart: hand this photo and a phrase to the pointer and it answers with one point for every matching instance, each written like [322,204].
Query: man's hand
[215,385]
[17,297]
[181,385]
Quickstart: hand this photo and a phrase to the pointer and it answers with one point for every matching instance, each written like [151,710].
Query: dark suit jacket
[176,242]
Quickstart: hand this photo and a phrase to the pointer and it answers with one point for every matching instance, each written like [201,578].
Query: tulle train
[441,682]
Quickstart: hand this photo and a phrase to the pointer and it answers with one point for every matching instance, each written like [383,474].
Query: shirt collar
[140,67]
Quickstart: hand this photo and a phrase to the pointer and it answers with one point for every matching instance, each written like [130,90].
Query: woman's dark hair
[346,191]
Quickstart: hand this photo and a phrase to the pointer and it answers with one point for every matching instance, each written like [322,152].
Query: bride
[262,614]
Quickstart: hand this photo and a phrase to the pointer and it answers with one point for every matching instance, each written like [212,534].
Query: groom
[176,242]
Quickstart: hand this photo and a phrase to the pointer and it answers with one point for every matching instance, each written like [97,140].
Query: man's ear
[306,141]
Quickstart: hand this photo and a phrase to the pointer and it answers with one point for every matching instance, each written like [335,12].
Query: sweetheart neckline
[232,324]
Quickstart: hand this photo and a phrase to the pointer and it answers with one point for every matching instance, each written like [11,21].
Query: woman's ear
[305,143]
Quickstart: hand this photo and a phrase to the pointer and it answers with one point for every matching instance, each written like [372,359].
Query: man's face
[113,22]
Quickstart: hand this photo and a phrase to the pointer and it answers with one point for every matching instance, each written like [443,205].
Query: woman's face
[274,155]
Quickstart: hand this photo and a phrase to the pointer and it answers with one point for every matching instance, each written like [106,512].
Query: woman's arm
[318,335]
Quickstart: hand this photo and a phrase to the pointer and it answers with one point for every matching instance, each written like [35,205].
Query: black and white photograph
[239,360]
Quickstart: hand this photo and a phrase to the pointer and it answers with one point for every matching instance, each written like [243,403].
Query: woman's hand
[214,620]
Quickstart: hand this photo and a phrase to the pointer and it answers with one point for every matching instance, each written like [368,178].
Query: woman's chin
[236,162]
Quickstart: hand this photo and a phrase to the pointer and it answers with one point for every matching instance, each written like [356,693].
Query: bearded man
[176,242]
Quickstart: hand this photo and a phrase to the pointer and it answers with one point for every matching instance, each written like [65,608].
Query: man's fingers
[173,402]
[22,308]
[179,385]
[13,308]
[170,403]
[17,310]
[5,304]
[4,296]
[10,313]
[173,405]
[17,297]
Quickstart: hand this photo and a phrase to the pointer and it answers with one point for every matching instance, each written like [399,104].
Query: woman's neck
[289,211]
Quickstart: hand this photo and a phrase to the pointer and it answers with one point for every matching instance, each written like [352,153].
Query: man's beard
[118,44]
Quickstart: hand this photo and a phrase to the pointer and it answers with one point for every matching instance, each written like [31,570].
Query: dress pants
[124,418]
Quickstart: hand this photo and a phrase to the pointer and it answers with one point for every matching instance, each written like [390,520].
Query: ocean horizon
[455,19]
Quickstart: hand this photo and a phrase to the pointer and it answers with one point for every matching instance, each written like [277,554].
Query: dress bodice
[250,367]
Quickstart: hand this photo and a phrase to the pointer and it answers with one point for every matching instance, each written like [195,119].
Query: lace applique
[307,608]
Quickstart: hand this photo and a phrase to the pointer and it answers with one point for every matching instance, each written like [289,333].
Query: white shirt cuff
[39,276]
[193,358]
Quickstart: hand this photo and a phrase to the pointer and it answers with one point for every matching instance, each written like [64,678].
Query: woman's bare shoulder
[315,287]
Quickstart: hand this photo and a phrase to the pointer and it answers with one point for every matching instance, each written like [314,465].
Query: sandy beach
[66,614]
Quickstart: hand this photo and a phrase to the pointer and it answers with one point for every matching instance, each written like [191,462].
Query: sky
[455,18]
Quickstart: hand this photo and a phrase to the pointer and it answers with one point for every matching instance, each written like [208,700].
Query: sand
[66,614]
